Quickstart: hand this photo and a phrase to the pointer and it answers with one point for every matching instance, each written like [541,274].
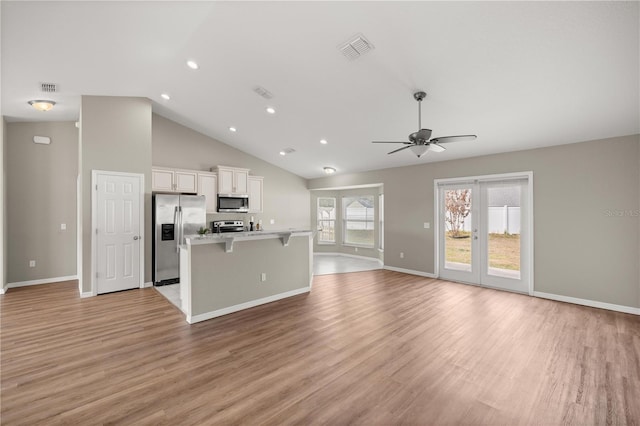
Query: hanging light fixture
[42,105]
[419,150]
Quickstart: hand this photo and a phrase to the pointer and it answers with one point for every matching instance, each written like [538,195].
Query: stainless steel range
[220,226]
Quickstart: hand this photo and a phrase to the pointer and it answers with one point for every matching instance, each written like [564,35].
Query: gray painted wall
[41,195]
[285,197]
[115,135]
[338,247]
[583,247]
[220,280]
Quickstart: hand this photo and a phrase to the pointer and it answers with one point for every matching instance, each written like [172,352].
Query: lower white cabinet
[208,186]
[255,187]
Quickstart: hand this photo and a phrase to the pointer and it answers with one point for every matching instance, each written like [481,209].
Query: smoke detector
[357,46]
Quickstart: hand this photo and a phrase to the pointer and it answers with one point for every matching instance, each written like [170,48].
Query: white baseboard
[347,255]
[42,281]
[3,290]
[86,294]
[149,284]
[409,271]
[191,319]
[587,302]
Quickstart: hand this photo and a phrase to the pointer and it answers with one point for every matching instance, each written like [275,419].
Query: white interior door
[484,232]
[117,231]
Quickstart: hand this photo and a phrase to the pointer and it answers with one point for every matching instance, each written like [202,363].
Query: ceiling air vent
[357,46]
[48,87]
[263,92]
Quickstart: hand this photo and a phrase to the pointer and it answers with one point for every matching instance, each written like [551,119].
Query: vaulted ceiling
[518,74]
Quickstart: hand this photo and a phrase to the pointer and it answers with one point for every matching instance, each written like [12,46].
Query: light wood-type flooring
[375,347]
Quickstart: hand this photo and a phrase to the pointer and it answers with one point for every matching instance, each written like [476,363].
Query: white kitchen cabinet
[255,193]
[232,180]
[161,180]
[171,180]
[186,181]
[208,186]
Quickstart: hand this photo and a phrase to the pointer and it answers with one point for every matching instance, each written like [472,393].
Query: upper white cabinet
[161,180]
[169,180]
[208,186]
[232,180]
[255,193]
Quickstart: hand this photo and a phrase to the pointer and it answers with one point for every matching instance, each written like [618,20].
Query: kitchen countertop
[230,237]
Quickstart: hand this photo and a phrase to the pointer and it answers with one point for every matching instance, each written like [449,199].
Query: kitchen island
[225,273]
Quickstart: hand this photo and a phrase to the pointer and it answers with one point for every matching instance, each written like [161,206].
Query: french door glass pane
[504,219]
[457,204]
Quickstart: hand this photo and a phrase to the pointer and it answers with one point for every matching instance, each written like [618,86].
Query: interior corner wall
[285,195]
[586,224]
[339,246]
[41,195]
[115,136]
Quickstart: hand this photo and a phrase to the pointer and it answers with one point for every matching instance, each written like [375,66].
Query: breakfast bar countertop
[229,238]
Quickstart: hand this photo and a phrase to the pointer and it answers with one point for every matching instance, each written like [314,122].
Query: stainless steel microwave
[233,203]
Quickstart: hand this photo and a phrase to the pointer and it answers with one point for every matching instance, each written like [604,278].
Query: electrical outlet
[356,249]
[272,221]
[32,264]
[427,225]
[263,277]
[401,255]
[63,226]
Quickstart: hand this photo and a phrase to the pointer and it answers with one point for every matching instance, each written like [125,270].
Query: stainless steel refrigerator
[174,216]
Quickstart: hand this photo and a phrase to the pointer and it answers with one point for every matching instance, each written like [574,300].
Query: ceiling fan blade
[461,138]
[408,143]
[399,149]
[435,147]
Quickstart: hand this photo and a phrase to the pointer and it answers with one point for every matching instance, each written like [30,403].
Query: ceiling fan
[419,141]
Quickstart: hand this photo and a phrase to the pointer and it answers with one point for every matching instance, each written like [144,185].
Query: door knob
[136,238]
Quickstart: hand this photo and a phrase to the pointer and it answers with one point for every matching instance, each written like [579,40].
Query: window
[359,226]
[381,219]
[326,220]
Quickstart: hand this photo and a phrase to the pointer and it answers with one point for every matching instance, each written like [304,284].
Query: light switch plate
[427,225]
[63,226]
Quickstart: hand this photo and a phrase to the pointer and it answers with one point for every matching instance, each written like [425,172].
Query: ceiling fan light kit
[420,142]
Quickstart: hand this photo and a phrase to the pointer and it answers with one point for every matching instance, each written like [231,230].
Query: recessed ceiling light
[323,141]
[232,129]
[165,96]
[283,153]
[193,65]
[270,110]
[329,170]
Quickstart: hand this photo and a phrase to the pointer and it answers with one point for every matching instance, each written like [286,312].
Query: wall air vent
[357,46]
[48,87]
[263,92]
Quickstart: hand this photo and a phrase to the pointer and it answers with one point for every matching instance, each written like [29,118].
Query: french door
[484,231]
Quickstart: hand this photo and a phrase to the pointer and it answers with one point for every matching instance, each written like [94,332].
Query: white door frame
[485,178]
[94,224]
